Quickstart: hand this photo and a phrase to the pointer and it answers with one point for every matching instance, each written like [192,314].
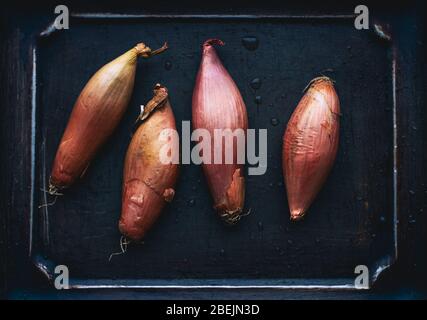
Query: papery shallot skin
[148,183]
[310,145]
[96,113]
[218,104]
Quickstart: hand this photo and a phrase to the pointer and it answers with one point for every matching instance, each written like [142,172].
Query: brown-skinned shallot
[96,113]
[310,145]
[149,180]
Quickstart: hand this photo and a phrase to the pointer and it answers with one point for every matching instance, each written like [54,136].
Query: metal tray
[353,220]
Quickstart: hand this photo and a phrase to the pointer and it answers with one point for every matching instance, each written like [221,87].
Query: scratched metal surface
[351,222]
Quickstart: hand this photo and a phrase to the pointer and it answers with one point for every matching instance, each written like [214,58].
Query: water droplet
[348,47]
[191,202]
[280,184]
[414,127]
[290,241]
[256,83]
[168,65]
[271,184]
[317,240]
[270,105]
[250,43]
[382,219]
[258,99]
[260,226]
[274,121]
[412,192]
[359,198]
[222,252]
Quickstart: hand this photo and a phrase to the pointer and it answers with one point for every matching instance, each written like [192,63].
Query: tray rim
[384,263]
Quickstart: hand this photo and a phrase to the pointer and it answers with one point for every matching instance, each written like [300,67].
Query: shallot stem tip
[158,100]
[317,80]
[146,52]
[160,50]
[211,42]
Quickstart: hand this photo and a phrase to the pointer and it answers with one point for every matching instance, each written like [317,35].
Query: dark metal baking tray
[354,220]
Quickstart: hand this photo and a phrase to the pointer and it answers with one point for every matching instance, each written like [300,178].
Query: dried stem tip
[146,52]
[318,80]
[211,42]
[158,100]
